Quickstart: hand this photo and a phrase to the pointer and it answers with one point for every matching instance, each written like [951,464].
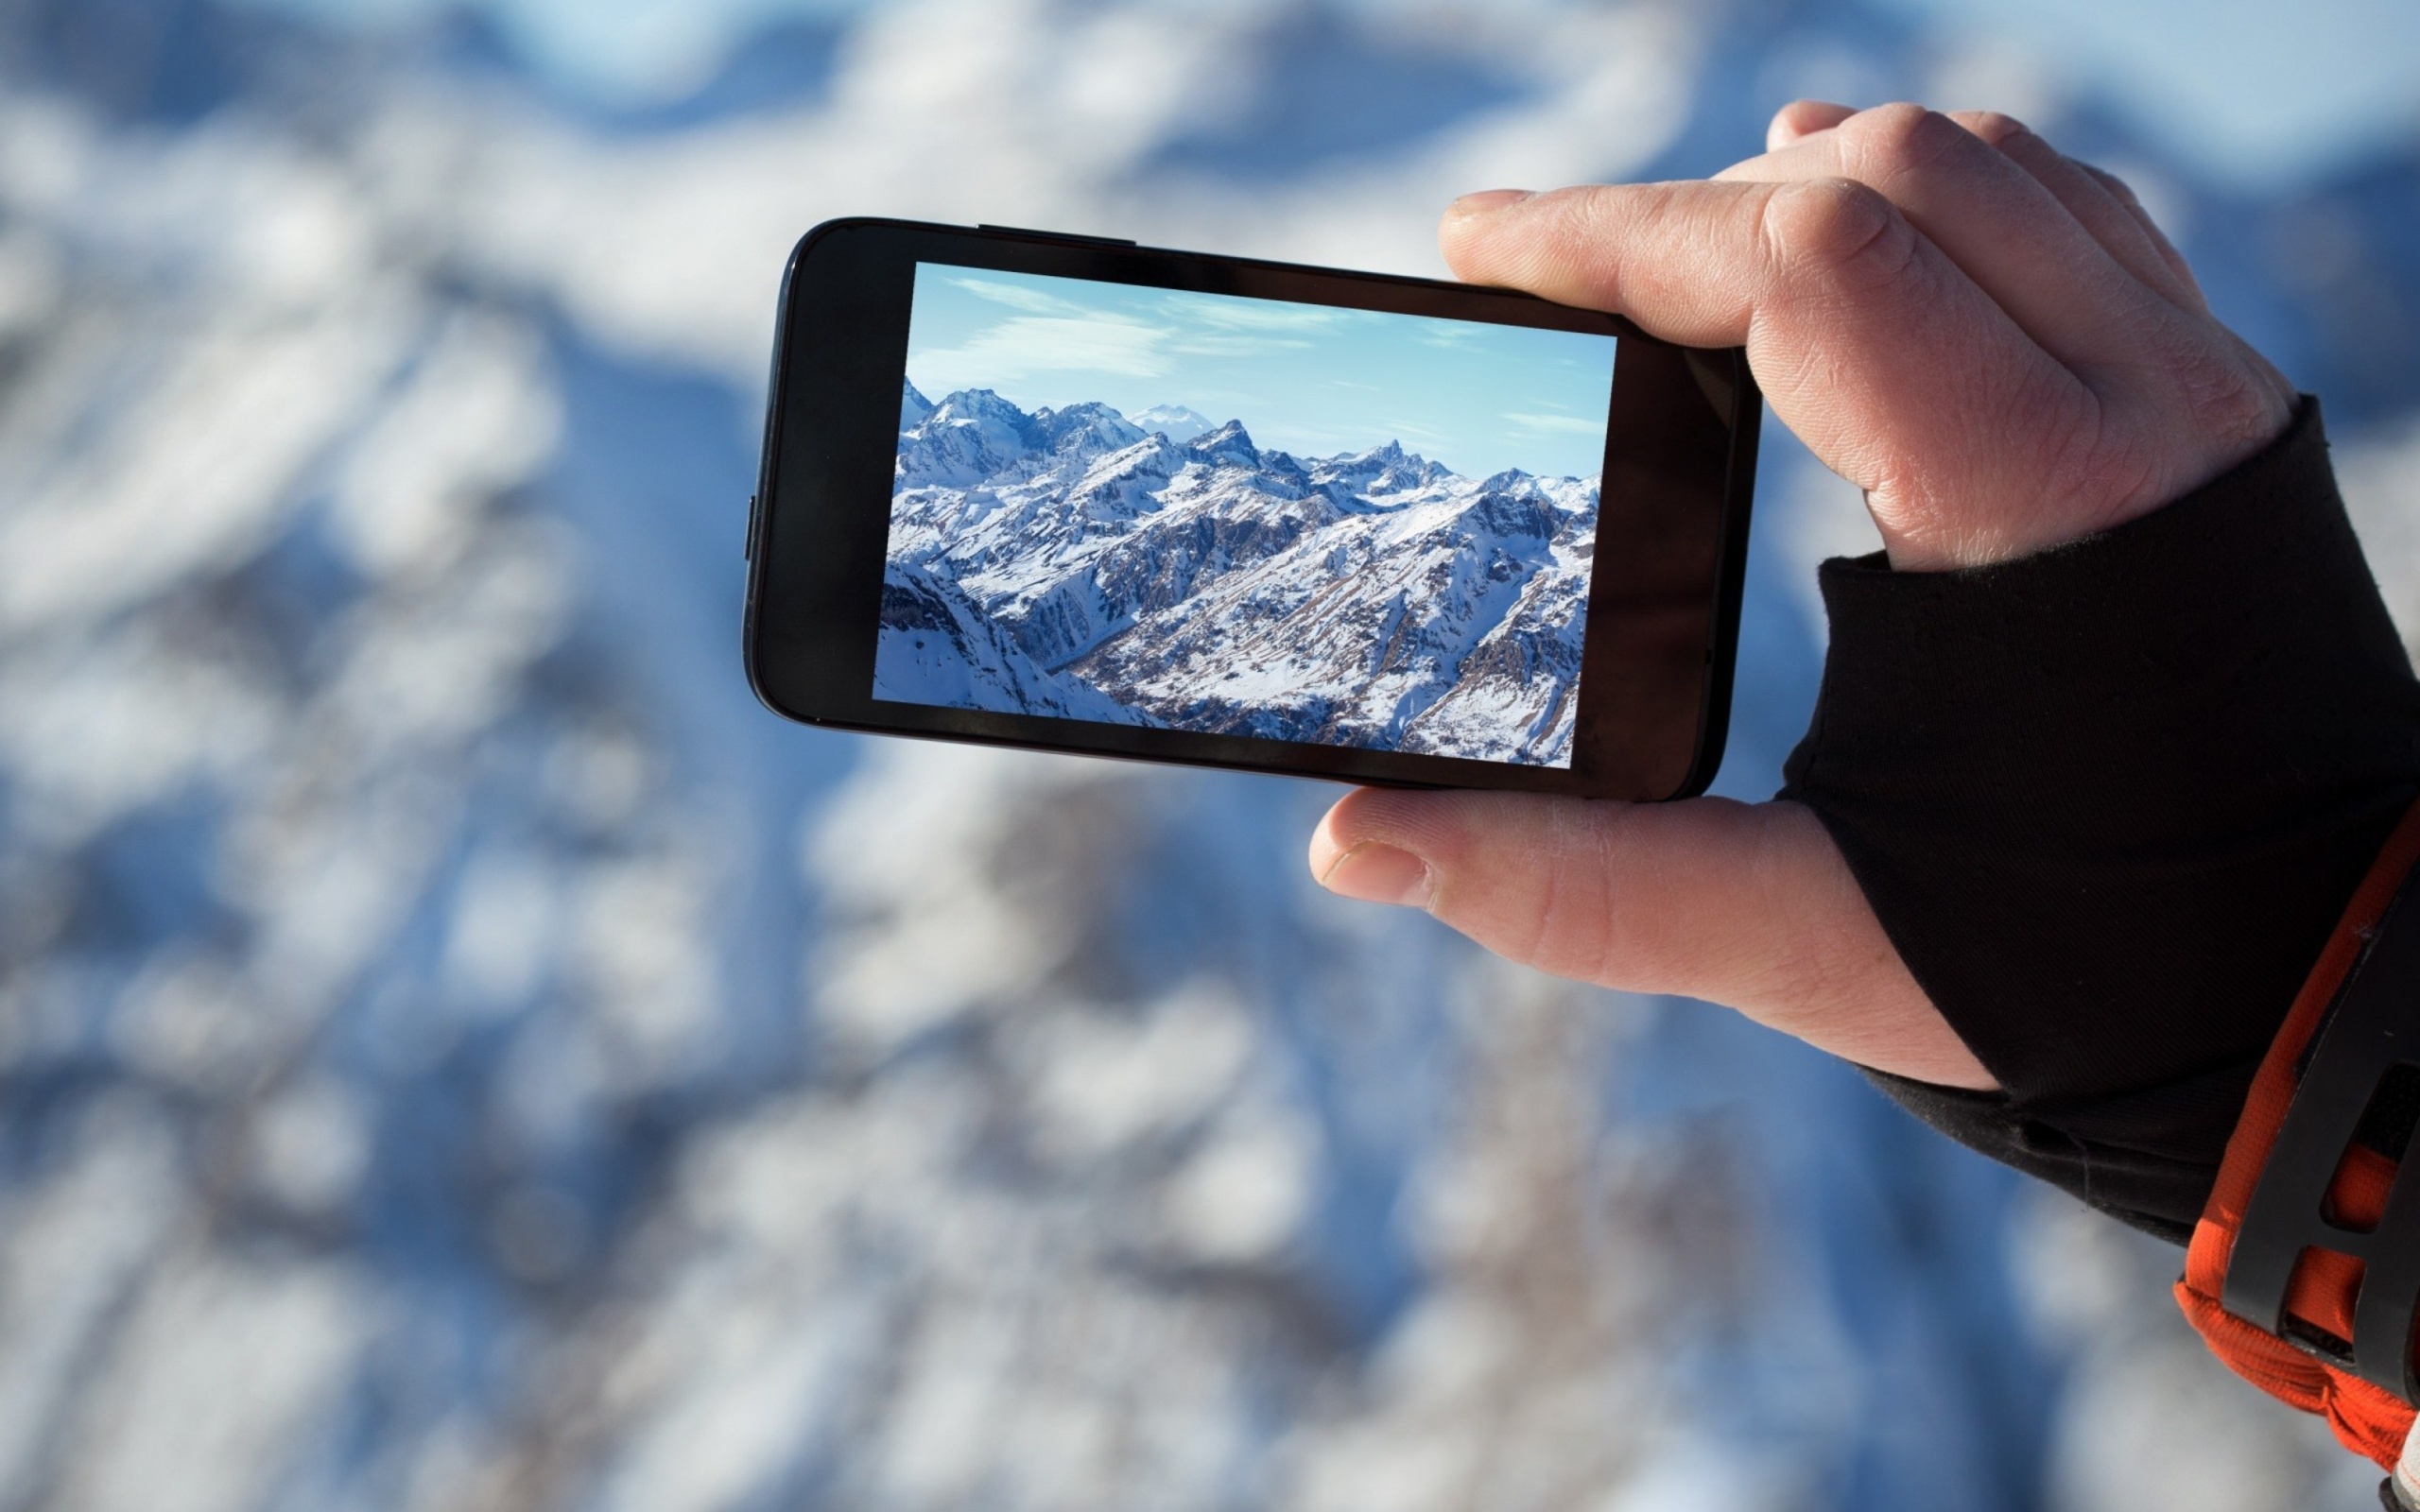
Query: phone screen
[1070,494]
[1238,516]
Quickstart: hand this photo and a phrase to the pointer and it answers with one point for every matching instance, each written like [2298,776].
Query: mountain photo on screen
[1244,517]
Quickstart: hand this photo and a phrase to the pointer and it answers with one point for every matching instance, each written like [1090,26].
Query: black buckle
[2360,1084]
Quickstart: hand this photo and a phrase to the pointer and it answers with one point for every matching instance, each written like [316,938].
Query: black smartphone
[1075,494]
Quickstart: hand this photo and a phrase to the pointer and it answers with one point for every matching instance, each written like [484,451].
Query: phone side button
[747,543]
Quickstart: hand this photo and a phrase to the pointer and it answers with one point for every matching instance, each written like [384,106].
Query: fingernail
[1487,199]
[1377,873]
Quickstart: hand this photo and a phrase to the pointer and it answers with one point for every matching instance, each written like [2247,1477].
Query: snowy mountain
[1066,562]
[1175,422]
[914,406]
[429,975]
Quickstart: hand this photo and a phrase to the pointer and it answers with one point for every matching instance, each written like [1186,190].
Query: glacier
[1074,563]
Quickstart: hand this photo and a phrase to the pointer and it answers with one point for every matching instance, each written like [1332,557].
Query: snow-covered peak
[971,435]
[1512,505]
[914,406]
[1175,422]
[1086,430]
[1229,445]
[1216,586]
[1377,474]
[981,407]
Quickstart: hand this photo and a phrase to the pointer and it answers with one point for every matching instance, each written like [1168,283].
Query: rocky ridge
[1070,562]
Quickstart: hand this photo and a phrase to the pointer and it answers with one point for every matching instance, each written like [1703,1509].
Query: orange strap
[2367,1420]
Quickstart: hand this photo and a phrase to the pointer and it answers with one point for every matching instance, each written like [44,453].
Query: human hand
[1999,347]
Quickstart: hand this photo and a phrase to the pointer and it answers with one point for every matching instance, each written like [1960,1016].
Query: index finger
[1891,364]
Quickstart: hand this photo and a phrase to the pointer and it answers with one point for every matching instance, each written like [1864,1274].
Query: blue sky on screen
[1308,379]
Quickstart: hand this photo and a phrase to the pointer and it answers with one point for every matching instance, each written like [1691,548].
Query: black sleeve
[2108,801]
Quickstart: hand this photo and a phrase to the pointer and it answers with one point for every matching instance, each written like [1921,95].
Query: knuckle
[1996,128]
[2209,384]
[1884,142]
[2093,466]
[2122,191]
[2229,402]
[1839,230]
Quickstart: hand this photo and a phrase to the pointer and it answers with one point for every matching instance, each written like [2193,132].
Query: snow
[1062,565]
[1175,422]
[914,406]
[429,982]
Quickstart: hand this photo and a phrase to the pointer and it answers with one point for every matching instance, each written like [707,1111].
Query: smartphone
[1073,494]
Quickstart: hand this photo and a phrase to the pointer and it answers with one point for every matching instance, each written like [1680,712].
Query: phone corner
[1706,761]
[751,658]
[823,229]
[758,686]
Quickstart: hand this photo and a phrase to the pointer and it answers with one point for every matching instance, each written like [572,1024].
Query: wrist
[2107,801]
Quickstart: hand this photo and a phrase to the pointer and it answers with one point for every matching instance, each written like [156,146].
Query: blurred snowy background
[457,1052]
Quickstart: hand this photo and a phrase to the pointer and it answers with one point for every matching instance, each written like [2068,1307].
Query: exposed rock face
[1067,562]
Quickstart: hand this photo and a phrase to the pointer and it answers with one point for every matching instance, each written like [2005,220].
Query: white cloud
[1017,296]
[1217,346]
[1029,344]
[1563,424]
[1262,317]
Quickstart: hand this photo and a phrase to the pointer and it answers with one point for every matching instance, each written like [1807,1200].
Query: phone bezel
[1664,604]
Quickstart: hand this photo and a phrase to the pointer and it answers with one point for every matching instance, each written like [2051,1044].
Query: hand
[1994,342]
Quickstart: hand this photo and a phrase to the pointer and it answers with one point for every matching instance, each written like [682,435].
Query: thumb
[1744,904]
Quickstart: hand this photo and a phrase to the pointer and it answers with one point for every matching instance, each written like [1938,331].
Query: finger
[1804,118]
[2124,193]
[1995,220]
[1898,373]
[2282,393]
[1748,906]
[2124,232]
